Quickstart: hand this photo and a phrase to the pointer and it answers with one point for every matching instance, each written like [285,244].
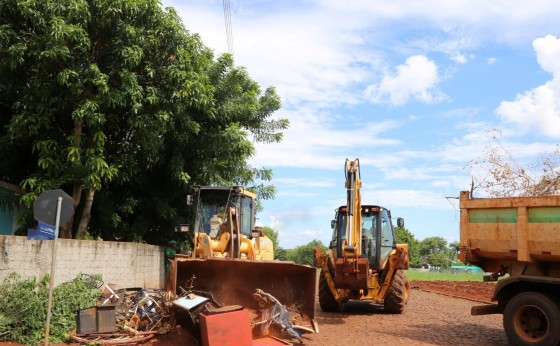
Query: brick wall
[123,264]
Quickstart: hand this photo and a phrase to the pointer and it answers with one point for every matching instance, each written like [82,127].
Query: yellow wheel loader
[364,261]
[231,257]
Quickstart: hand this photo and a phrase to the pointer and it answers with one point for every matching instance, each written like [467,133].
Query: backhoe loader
[364,261]
[231,257]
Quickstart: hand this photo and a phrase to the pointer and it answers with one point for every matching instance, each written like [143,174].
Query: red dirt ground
[440,307]
[479,291]
[418,310]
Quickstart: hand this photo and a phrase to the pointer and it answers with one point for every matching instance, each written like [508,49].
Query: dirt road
[429,319]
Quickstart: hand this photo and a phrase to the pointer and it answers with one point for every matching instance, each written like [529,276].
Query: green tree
[118,102]
[434,250]
[279,252]
[439,259]
[454,248]
[303,254]
[432,245]
[403,235]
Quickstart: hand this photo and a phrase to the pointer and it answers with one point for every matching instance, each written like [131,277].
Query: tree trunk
[86,215]
[66,230]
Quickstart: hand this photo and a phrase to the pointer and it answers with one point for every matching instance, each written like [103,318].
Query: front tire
[532,318]
[327,300]
[397,294]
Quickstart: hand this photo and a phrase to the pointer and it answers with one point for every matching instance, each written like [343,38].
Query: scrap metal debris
[112,338]
[275,313]
[139,315]
[145,310]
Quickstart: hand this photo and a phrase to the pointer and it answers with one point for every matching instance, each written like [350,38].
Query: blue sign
[44,231]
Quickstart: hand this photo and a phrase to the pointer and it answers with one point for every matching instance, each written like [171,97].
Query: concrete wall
[123,264]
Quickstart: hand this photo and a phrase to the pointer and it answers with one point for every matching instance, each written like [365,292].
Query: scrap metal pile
[140,314]
[271,318]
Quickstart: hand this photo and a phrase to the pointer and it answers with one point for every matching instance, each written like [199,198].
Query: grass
[441,275]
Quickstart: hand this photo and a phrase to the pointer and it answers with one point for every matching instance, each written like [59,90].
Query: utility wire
[227,20]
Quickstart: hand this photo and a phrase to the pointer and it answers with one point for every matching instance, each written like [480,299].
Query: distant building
[8,207]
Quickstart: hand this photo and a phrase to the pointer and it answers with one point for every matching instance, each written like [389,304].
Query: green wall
[6,217]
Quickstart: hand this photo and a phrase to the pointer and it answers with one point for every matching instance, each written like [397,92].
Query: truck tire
[532,318]
[397,294]
[326,299]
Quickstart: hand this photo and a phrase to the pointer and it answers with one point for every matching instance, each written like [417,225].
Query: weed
[23,308]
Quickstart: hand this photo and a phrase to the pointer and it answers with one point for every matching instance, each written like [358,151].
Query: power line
[227,20]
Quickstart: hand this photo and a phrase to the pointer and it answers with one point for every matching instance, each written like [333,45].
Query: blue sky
[414,89]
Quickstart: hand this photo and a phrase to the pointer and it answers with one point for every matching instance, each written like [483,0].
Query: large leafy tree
[303,254]
[115,100]
[432,245]
[279,252]
[434,250]
[403,235]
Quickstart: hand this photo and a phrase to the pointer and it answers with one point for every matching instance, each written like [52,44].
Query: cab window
[387,238]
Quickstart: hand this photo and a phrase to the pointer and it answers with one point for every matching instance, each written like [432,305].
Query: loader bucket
[233,282]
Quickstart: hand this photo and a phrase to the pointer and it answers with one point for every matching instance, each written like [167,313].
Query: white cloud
[274,223]
[323,141]
[440,183]
[416,79]
[459,58]
[406,198]
[548,52]
[538,108]
[462,113]
[307,182]
[308,233]
[321,54]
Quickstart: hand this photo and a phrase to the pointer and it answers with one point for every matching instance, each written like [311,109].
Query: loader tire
[397,294]
[326,298]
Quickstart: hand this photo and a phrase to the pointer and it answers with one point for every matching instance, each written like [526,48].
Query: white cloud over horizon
[539,108]
[416,79]
[414,92]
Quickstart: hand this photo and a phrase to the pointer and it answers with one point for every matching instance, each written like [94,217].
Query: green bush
[23,308]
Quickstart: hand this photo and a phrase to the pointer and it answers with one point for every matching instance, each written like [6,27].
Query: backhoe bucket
[233,282]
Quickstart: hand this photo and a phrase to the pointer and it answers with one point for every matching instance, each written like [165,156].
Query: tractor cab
[212,204]
[376,224]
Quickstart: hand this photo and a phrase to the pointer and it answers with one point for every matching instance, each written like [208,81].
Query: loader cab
[377,234]
[211,205]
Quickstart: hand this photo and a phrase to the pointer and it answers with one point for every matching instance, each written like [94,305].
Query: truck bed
[496,231]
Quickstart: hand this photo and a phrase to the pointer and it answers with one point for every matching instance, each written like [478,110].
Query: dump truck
[364,261]
[231,258]
[517,239]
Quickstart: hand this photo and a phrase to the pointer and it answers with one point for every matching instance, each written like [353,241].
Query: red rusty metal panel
[351,278]
[233,281]
[86,321]
[231,328]
[106,319]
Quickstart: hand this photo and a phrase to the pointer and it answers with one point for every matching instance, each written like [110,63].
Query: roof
[11,187]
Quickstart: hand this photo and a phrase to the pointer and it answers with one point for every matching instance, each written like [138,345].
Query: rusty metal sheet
[106,319]
[233,281]
[350,277]
[86,321]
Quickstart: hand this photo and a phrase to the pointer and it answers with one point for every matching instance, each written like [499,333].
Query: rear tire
[397,294]
[532,318]
[326,298]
